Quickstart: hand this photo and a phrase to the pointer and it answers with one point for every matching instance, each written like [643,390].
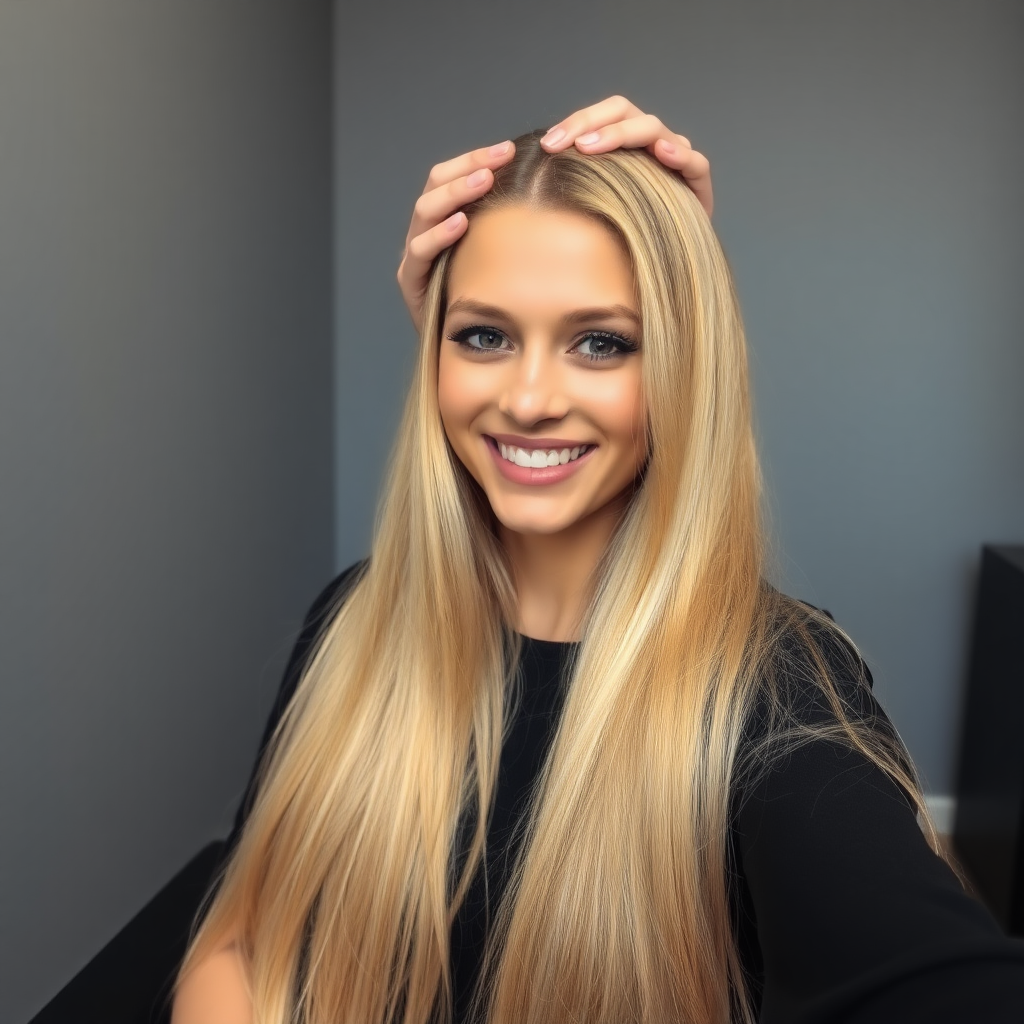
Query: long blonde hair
[342,889]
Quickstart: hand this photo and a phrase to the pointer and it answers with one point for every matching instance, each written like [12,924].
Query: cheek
[457,396]
[447,388]
[618,406]
[630,431]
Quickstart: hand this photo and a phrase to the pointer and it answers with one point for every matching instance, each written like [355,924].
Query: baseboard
[943,811]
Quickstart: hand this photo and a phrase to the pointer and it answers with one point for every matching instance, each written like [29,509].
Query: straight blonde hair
[342,890]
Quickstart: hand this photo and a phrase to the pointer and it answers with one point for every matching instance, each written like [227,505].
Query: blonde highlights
[348,875]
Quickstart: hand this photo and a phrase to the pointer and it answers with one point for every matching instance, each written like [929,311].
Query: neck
[553,574]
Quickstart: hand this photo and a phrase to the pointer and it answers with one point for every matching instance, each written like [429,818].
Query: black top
[841,910]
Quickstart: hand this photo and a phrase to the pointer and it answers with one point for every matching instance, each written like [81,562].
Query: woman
[556,752]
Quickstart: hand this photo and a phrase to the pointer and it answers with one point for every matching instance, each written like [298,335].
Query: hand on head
[614,123]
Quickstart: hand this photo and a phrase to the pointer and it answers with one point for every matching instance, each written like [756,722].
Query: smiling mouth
[539,458]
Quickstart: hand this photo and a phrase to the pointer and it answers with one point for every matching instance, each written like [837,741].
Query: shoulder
[332,597]
[836,886]
[810,667]
[812,698]
[319,616]
[809,682]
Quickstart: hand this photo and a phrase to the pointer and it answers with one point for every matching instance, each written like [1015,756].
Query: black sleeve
[319,616]
[856,919]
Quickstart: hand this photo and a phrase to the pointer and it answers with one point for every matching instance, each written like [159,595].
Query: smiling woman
[559,353]
[557,752]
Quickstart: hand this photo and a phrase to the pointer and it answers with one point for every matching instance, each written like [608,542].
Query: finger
[693,166]
[562,135]
[490,157]
[647,131]
[642,130]
[437,205]
[437,222]
[422,250]
[420,253]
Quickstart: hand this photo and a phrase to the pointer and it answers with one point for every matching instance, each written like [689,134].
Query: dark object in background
[129,981]
[989,832]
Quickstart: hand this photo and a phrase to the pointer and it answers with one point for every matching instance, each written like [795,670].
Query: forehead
[522,258]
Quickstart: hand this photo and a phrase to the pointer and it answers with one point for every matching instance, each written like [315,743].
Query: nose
[533,390]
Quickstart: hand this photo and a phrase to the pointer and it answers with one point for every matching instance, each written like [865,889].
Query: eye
[603,345]
[480,339]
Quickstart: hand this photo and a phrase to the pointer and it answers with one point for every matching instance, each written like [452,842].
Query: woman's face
[539,373]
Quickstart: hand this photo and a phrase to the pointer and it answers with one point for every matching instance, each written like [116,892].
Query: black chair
[129,981]
[989,832]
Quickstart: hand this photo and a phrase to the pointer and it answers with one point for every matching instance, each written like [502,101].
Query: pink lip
[528,474]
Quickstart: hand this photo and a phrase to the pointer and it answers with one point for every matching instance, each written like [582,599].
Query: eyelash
[623,345]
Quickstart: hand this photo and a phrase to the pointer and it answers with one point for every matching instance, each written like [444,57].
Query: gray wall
[165,438]
[867,164]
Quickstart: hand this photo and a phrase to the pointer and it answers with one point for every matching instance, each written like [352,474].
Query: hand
[615,123]
[437,219]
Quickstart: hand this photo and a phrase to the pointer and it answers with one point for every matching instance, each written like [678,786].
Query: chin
[534,529]
[535,524]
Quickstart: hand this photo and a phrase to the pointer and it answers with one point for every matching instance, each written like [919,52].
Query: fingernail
[668,148]
[589,139]
[499,150]
[554,137]
[453,221]
[476,178]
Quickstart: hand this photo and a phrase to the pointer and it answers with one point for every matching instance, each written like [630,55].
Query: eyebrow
[577,316]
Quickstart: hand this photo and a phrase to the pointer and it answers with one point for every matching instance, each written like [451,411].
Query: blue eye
[594,347]
[480,339]
[602,345]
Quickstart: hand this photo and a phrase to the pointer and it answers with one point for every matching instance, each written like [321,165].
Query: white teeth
[539,458]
